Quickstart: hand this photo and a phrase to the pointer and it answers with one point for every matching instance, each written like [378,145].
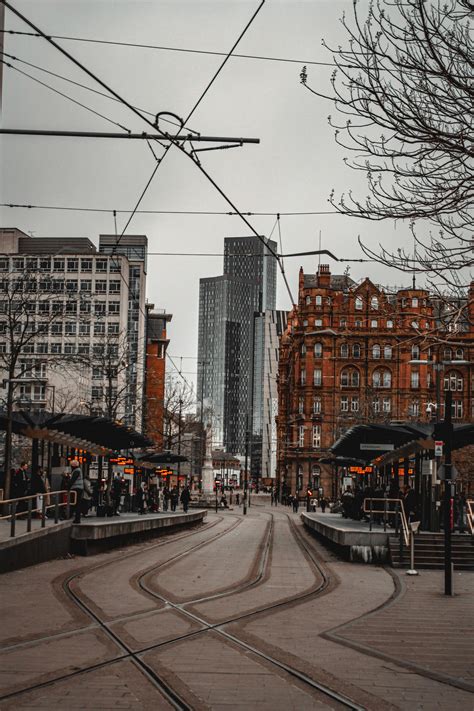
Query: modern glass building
[227,305]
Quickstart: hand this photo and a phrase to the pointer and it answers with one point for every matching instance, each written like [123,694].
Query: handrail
[470,514]
[399,510]
[4,502]
[43,495]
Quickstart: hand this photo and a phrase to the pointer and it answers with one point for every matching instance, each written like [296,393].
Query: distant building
[80,319]
[360,353]
[269,327]
[227,308]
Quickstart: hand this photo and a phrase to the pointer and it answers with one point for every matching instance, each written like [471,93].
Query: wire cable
[231,213]
[56,91]
[182,49]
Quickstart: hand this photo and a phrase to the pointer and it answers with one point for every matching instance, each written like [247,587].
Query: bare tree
[405,85]
[30,305]
[179,400]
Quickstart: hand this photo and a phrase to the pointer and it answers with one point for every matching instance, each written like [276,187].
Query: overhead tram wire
[65,96]
[87,88]
[185,50]
[232,213]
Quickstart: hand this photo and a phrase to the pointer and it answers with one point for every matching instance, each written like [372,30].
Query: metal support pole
[370,514]
[56,508]
[13,519]
[43,511]
[448,500]
[68,505]
[28,520]
[412,570]
[385,515]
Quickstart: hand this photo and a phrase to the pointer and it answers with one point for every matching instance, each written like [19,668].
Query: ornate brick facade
[348,356]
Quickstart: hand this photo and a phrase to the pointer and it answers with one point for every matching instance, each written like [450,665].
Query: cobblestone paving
[317,636]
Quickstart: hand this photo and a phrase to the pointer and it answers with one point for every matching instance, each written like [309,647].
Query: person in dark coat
[166,498]
[116,494]
[296,504]
[38,487]
[409,503]
[323,503]
[77,485]
[139,499]
[185,498]
[347,502]
[174,498]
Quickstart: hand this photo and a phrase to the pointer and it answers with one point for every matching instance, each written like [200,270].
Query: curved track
[144,578]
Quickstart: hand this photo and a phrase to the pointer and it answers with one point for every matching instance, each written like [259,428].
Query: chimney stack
[324,275]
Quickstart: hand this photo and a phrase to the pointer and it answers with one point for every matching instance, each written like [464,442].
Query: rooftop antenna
[319,256]
[414,262]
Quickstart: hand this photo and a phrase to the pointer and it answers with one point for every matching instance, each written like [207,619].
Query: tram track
[126,652]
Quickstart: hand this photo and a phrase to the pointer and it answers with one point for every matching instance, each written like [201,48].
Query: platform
[352,539]
[96,533]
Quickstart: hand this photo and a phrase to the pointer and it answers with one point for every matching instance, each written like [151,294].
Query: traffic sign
[439,448]
[441,473]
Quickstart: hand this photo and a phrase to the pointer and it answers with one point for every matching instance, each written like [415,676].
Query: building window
[101,265]
[85,307]
[72,265]
[59,265]
[318,350]
[415,352]
[305,323]
[303,349]
[316,476]
[301,436]
[356,350]
[456,409]
[374,323]
[344,350]
[389,323]
[84,329]
[358,323]
[447,354]
[71,285]
[359,303]
[318,323]
[86,285]
[114,307]
[355,404]
[374,303]
[344,403]
[381,378]
[97,392]
[415,324]
[459,354]
[308,300]
[376,352]
[99,328]
[376,404]
[415,408]
[415,379]
[86,265]
[99,308]
[343,323]
[317,377]
[45,264]
[71,328]
[3,265]
[41,347]
[303,377]
[316,405]
[318,300]
[350,378]
[83,349]
[18,264]
[301,405]
[114,286]
[387,352]
[97,373]
[57,328]
[453,381]
[113,329]
[387,404]
[317,436]
[56,348]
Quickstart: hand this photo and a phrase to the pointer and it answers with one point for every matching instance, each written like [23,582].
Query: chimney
[324,275]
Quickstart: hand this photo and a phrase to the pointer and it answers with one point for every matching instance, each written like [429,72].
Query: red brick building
[155,367]
[348,356]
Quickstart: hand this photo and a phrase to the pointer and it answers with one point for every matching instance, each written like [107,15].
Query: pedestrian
[22,485]
[174,498]
[409,503]
[116,494]
[185,498]
[86,496]
[296,503]
[166,498]
[139,499]
[237,499]
[323,504]
[38,487]
[77,485]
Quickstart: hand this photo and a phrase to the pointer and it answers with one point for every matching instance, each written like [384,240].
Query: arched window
[344,350]
[415,352]
[376,351]
[319,300]
[447,354]
[318,350]
[356,350]
[303,349]
[381,378]
[453,381]
[387,352]
[374,303]
[359,303]
[459,354]
[308,300]
[350,378]
[315,476]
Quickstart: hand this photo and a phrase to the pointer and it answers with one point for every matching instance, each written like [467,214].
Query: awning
[165,457]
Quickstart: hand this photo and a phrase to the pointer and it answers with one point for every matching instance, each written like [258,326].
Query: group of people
[352,501]
[25,483]
[147,499]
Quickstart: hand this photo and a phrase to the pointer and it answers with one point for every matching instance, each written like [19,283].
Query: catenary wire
[187,50]
[88,88]
[56,91]
[173,212]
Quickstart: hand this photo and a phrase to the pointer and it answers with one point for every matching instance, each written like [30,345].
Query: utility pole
[246,463]
[179,438]
[448,497]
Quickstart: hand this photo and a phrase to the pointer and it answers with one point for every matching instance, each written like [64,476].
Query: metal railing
[14,514]
[386,509]
[470,515]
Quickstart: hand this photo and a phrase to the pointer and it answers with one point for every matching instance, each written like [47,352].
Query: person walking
[77,485]
[166,498]
[237,499]
[185,498]
[296,503]
[174,498]
[323,504]
[38,487]
[116,494]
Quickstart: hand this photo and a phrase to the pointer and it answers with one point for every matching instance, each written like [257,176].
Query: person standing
[116,494]
[166,498]
[323,504]
[185,498]
[296,503]
[38,487]
[77,485]
[174,498]
[86,496]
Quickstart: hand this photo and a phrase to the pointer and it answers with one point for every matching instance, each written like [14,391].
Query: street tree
[404,82]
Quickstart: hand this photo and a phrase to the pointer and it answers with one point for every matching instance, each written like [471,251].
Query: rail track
[126,652]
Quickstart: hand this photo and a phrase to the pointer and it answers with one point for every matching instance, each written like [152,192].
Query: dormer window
[359,303]
[374,303]
[319,300]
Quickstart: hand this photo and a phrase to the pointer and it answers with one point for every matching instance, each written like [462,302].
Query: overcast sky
[293,169]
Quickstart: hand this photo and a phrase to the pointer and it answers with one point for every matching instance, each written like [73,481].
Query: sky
[293,169]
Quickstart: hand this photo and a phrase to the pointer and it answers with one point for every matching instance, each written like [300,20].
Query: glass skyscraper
[228,308]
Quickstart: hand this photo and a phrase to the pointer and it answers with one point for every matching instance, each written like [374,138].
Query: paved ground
[123,628]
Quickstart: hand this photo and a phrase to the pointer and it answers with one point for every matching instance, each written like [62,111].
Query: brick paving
[317,636]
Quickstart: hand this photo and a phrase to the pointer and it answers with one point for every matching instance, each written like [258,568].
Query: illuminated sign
[361,470]
[121,461]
